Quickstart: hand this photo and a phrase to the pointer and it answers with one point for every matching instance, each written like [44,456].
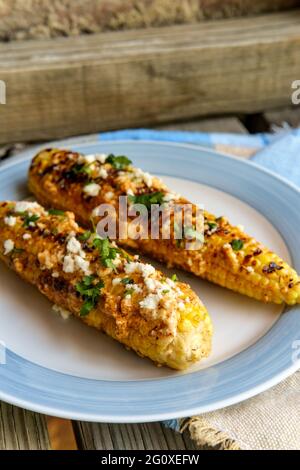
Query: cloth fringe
[203,434]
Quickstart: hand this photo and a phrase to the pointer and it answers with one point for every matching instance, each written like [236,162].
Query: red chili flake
[247,258]
[257,252]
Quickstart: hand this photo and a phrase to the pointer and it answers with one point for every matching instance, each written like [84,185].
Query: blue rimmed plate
[66,369]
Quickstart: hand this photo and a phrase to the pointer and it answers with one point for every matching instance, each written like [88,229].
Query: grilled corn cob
[229,257]
[105,287]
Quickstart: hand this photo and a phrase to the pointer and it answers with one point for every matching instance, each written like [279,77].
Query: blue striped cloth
[279,152]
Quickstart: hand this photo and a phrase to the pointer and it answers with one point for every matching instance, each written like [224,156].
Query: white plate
[65,368]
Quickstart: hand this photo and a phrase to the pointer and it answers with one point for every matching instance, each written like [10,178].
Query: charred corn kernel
[229,257]
[104,286]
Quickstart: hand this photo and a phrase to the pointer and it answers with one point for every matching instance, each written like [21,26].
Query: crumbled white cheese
[130,192]
[82,264]
[227,246]
[68,264]
[86,159]
[170,282]
[145,269]
[240,227]
[135,287]
[73,245]
[8,246]
[116,281]
[136,257]
[101,157]
[150,302]
[109,195]
[10,220]
[92,189]
[95,211]
[117,261]
[25,206]
[150,284]
[65,314]
[26,236]
[250,269]
[102,172]
[55,274]
[146,177]
[180,305]
[171,197]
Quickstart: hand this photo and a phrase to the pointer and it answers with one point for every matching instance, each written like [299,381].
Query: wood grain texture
[281,117]
[221,124]
[64,87]
[22,430]
[27,19]
[61,434]
[151,436]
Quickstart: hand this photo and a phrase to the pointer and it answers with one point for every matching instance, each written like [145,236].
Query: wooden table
[21,429]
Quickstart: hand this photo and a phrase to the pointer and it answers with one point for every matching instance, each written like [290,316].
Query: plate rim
[25,156]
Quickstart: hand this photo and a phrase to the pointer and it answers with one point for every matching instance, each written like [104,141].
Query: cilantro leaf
[107,252]
[237,244]
[118,162]
[85,236]
[129,291]
[127,280]
[27,218]
[147,199]
[90,293]
[56,212]
[174,278]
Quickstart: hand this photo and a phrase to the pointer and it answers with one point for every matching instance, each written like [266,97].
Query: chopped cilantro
[17,251]
[237,244]
[27,218]
[106,251]
[147,199]
[118,162]
[78,169]
[212,225]
[90,291]
[85,236]
[127,280]
[129,291]
[174,278]
[165,291]
[56,212]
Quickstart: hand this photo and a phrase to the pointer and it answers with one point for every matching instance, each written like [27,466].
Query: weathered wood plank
[279,117]
[21,19]
[222,124]
[152,436]
[61,434]
[22,430]
[63,87]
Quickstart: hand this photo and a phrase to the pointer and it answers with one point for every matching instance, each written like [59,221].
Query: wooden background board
[27,19]
[72,86]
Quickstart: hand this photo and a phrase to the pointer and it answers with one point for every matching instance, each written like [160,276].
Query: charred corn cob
[229,257]
[105,287]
